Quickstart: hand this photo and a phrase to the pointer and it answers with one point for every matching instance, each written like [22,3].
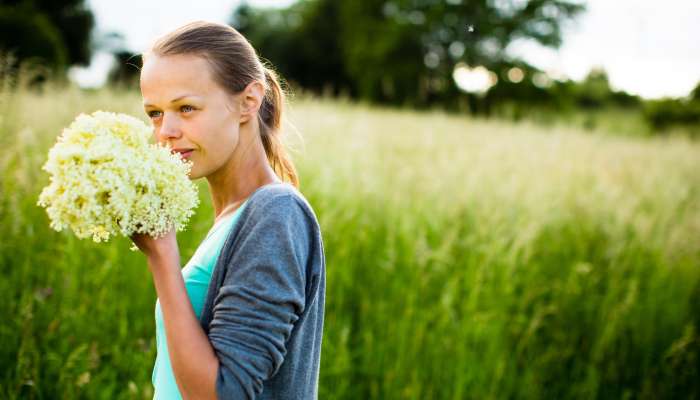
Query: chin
[193,174]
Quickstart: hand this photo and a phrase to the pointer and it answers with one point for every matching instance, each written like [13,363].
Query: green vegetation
[675,113]
[397,52]
[53,33]
[466,258]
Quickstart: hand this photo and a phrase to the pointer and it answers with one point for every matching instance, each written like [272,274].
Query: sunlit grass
[465,258]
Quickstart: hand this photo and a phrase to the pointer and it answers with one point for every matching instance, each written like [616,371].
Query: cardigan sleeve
[261,297]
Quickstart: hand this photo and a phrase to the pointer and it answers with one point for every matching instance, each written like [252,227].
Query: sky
[648,47]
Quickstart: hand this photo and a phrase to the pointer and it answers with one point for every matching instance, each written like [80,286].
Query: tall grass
[465,259]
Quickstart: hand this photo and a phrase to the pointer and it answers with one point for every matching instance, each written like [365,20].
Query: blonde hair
[234,64]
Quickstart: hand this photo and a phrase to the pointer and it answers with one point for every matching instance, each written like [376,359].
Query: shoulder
[276,215]
[276,229]
[280,201]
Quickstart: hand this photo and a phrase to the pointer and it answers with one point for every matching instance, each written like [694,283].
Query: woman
[244,318]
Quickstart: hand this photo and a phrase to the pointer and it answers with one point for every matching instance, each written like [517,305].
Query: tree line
[398,52]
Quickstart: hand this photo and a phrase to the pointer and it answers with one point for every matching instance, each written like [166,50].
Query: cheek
[226,132]
[217,137]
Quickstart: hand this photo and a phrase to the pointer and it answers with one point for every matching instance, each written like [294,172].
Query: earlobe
[247,109]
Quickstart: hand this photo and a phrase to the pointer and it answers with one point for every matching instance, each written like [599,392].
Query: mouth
[184,153]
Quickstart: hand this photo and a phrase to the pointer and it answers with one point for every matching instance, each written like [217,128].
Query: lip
[184,153]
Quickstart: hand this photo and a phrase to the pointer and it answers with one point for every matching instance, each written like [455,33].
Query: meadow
[466,259]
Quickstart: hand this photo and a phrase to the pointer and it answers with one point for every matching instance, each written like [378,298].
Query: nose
[169,128]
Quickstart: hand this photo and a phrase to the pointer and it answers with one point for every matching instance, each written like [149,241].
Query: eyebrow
[173,100]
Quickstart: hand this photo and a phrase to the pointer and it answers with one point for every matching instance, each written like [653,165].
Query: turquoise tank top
[196,274]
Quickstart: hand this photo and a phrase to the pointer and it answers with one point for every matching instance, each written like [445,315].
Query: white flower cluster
[107,179]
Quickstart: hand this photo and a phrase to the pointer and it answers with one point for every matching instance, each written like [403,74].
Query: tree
[402,51]
[57,32]
[435,36]
[595,90]
[127,65]
[695,94]
[30,35]
[297,42]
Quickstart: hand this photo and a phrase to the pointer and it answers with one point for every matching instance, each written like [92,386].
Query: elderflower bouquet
[107,179]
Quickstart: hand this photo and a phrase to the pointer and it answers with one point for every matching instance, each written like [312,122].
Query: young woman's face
[190,111]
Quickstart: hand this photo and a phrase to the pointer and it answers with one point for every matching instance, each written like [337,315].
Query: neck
[238,178]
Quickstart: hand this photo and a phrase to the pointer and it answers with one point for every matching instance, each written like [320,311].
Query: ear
[251,100]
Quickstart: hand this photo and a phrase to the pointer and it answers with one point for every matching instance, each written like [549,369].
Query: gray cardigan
[265,303]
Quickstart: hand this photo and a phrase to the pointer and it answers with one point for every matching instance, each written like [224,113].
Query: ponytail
[270,117]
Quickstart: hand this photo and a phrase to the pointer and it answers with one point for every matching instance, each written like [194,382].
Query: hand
[155,248]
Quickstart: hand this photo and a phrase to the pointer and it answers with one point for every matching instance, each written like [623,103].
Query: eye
[186,108]
[153,114]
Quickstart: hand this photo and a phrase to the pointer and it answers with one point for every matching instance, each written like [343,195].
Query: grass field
[465,259]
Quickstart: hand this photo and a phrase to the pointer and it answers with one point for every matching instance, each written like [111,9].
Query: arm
[192,358]
[262,296]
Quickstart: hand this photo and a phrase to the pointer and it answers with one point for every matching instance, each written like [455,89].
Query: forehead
[164,76]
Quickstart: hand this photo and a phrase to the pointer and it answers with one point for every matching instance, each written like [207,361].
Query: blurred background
[631,64]
[509,193]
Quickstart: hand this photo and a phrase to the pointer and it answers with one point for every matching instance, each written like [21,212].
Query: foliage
[297,42]
[665,113]
[695,94]
[392,51]
[57,32]
[31,36]
[126,68]
[466,259]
